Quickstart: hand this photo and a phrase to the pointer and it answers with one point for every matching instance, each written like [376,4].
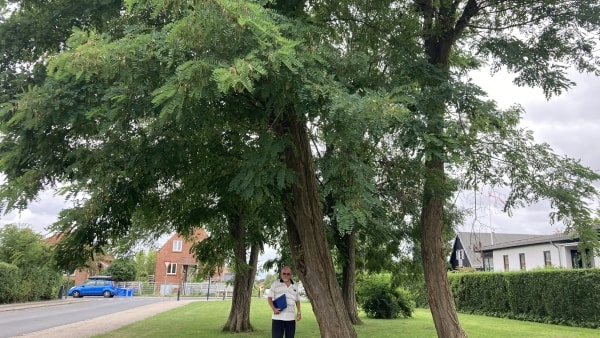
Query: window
[177,245]
[522,261]
[460,256]
[506,266]
[547,259]
[172,269]
[488,263]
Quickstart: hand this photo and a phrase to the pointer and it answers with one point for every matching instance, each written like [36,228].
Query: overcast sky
[570,123]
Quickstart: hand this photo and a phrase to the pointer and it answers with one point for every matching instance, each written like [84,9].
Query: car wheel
[107,294]
[76,294]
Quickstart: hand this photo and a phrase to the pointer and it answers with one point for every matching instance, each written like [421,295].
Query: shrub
[379,299]
[122,270]
[9,281]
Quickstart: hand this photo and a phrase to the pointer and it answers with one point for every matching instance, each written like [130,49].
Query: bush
[379,299]
[122,270]
[9,281]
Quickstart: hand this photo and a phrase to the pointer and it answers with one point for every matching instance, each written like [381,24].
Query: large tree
[172,193]
[116,104]
[433,44]
[534,39]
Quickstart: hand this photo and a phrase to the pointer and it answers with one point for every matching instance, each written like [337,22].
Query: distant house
[513,252]
[95,267]
[176,265]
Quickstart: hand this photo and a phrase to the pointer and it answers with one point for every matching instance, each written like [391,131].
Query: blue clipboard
[280,302]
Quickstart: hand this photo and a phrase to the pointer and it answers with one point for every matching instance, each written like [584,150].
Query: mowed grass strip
[204,319]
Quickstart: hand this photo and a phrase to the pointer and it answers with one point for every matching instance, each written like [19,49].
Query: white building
[536,252]
[515,252]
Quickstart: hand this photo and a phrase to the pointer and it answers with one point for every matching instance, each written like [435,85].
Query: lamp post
[208,292]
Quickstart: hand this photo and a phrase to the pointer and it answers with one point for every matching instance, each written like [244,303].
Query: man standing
[284,319]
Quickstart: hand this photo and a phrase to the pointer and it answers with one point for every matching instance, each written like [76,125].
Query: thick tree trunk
[243,283]
[435,192]
[306,232]
[440,298]
[348,245]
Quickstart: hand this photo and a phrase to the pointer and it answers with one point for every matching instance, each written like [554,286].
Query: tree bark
[347,248]
[441,302]
[243,283]
[306,233]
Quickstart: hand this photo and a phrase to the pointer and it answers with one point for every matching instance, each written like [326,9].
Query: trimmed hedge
[17,285]
[565,297]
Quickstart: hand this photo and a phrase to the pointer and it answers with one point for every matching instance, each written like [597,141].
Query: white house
[514,252]
[537,252]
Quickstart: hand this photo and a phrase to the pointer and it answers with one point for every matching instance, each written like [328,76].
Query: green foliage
[24,249]
[9,282]
[378,298]
[145,262]
[122,270]
[556,296]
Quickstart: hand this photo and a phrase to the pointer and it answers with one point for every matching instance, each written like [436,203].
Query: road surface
[79,318]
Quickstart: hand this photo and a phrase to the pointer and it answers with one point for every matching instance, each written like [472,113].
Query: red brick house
[175,264]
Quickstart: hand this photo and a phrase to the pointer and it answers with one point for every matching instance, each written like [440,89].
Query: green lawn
[205,319]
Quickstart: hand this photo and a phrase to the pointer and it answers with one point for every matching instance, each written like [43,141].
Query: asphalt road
[78,317]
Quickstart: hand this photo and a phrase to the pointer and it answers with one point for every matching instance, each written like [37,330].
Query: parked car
[95,286]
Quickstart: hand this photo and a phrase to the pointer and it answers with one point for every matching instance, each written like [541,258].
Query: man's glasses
[286,274]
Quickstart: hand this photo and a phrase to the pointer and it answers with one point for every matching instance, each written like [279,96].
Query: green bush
[379,299]
[122,270]
[9,281]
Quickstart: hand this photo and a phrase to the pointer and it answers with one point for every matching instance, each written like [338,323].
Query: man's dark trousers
[278,327]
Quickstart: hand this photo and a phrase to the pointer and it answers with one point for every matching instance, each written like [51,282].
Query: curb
[28,305]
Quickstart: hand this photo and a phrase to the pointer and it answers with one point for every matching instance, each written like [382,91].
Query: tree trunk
[439,21]
[243,283]
[440,298]
[435,192]
[347,248]
[306,232]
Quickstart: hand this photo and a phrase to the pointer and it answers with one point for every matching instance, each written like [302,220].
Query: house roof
[537,239]
[474,242]
[532,240]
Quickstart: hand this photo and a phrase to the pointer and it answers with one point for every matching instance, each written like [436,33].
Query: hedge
[556,296]
[18,285]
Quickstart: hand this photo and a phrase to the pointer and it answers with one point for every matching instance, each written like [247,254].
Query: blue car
[94,287]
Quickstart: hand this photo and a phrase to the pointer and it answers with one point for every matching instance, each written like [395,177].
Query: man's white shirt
[292,295]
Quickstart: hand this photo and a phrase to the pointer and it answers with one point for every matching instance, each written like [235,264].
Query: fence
[215,290]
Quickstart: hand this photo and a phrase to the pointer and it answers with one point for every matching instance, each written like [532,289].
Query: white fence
[203,289]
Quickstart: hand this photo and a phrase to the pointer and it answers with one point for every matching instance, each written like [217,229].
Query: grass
[205,320]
